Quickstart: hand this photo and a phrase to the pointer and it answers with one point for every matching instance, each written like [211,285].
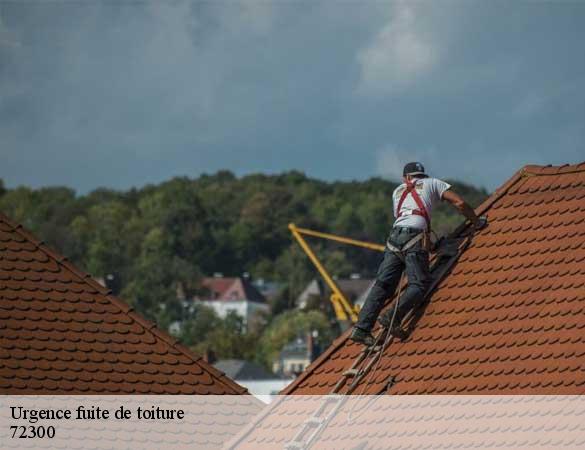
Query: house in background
[268,289]
[259,381]
[237,294]
[297,355]
[355,288]
[361,298]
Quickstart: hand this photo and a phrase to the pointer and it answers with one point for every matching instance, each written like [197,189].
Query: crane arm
[343,308]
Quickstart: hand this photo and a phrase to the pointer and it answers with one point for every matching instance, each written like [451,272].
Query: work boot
[386,321]
[362,337]
[385,318]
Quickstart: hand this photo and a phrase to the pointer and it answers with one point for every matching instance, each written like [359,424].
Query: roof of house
[510,316]
[352,288]
[230,289]
[295,349]
[361,299]
[314,287]
[62,332]
[239,369]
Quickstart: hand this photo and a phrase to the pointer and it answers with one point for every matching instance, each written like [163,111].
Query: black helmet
[413,168]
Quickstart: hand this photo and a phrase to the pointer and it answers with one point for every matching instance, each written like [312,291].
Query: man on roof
[407,248]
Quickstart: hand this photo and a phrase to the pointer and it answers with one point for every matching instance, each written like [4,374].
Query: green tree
[157,276]
[228,338]
[288,325]
[103,230]
[198,324]
[176,208]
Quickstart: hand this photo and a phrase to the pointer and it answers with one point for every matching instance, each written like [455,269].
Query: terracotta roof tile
[509,318]
[62,332]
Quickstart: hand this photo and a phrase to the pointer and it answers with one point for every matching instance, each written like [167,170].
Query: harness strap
[421,211]
[401,252]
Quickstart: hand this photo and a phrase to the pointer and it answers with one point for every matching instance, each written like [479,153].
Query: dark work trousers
[389,273]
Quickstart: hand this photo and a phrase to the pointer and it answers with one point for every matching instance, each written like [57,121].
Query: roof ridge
[549,169]
[148,325]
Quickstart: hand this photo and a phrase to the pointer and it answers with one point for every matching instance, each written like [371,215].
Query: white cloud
[402,51]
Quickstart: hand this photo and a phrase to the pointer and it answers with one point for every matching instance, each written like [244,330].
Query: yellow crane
[344,310]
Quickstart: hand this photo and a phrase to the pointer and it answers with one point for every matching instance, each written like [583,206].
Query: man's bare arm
[462,206]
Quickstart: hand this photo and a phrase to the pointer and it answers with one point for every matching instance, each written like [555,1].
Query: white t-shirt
[430,190]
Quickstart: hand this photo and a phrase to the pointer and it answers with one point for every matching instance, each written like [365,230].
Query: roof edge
[549,169]
[124,307]
[527,170]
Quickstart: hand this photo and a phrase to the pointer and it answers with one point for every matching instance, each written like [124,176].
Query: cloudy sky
[122,94]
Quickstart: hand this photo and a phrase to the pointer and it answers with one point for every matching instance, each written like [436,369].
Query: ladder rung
[351,373]
[333,398]
[374,349]
[294,446]
[314,421]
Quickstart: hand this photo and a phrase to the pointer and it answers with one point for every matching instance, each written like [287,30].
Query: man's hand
[480,223]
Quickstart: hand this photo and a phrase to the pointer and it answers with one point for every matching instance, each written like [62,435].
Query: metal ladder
[368,356]
[361,366]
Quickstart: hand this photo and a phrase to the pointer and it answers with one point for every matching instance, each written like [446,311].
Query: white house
[237,294]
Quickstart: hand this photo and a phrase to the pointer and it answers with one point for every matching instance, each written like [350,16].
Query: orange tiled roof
[217,286]
[509,318]
[230,288]
[62,332]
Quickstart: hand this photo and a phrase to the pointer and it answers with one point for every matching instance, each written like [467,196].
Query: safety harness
[421,211]
[401,252]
